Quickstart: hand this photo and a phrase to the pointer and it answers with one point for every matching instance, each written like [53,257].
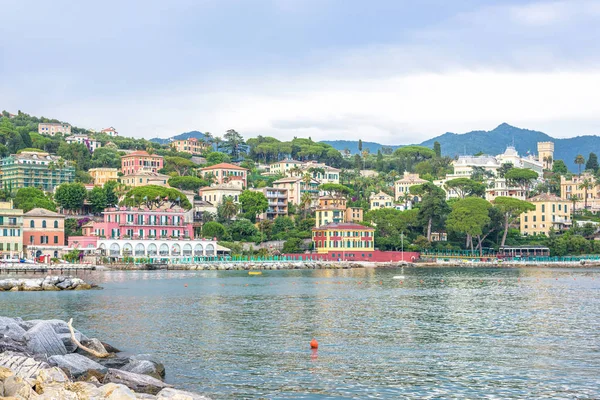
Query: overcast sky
[392,71]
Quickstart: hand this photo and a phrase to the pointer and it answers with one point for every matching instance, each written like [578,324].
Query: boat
[254,273]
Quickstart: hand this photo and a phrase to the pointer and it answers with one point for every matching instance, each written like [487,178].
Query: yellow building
[550,212]
[216,193]
[546,154]
[570,188]
[11,231]
[192,146]
[354,214]
[380,200]
[143,178]
[402,186]
[103,175]
[343,237]
[335,210]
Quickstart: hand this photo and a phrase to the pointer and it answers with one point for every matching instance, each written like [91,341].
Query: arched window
[187,249]
[31,224]
[115,250]
[140,250]
[43,223]
[210,250]
[151,249]
[56,224]
[198,250]
[176,250]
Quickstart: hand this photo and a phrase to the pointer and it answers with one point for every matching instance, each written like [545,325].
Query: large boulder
[43,339]
[116,391]
[174,394]
[62,330]
[23,366]
[85,390]
[96,345]
[76,364]
[15,386]
[8,344]
[32,285]
[145,365]
[136,382]
[8,284]
[11,328]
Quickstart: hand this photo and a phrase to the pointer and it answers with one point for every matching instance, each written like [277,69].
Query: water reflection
[453,333]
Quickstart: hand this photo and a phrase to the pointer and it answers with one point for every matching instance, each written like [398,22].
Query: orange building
[191,146]
[43,233]
[225,172]
[140,160]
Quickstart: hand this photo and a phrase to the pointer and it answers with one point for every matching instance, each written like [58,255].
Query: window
[534,218]
[543,208]
[31,224]
[43,223]
[56,224]
[55,239]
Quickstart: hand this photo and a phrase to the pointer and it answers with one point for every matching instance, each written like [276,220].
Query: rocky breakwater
[49,283]
[48,359]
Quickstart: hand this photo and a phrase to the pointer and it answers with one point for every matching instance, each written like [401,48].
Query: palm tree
[579,160]
[217,140]
[295,171]
[586,185]
[305,202]
[229,208]
[545,160]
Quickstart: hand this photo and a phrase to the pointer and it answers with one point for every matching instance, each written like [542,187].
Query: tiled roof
[545,197]
[223,166]
[42,212]
[343,226]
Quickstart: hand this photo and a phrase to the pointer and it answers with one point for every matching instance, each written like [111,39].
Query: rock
[55,392]
[145,364]
[32,285]
[8,284]
[115,391]
[144,396]
[174,394]
[95,344]
[42,339]
[137,382]
[22,366]
[11,328]
[113,362]
[65,285]
[5,373]
[49,287]
[8,344]
[51,375]
[15,386]
[83,286]
[109,348]
[85,390]
[76,364]
[62,330]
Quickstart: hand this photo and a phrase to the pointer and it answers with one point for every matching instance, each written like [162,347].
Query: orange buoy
[314,344]
[185,285]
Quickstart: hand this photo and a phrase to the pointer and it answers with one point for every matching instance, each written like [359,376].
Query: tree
[228,208]
[559,167]
[253,203]
[282,225]
[233,140]
[292,245]
[522,178]
[110,188]
[187,183]
[511,208]
[335,189]
[360,145]
[305,202]
[504,168]
[76,152]
[216,157]
[105,157]
[433,207]
[97,199]
[154,196]
[465,187]
[243,230]
[586,185]
[390,225]
[592,162]
[469,216]
[181,165]
[29,198]
[579,160]
[214,230]
[70,196]
[437,149]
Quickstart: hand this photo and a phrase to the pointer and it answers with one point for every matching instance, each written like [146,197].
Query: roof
[343,226]
[143,172]
[223,166]
[411,178]
[545,197]
[141,153]
[381,194]
[288,160]
[42,212]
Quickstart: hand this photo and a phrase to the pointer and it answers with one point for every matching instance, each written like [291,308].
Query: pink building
[143,223]
[140,160]
[225,172]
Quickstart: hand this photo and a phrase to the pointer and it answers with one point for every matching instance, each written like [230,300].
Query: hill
[495,142]
[185,135]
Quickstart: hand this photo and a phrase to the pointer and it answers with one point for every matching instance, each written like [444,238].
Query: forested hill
[495,142]
[185,135]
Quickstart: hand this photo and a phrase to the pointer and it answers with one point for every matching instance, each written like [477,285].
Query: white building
[91,144]
[180,251]
[110,131]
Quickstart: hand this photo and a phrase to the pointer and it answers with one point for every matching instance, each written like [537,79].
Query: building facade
[296,186]
[402,186]
[110,131]
[322,172]
[144,178]
[103,175]
[380,200]
[43,233]
[35,169]
[216,193]
[335,210]
[141,161]
[90,143]
[283,167]
[343,237]
[11,231]
[192,146]
[551,212]
[278,203]
[52,128]
[225,172]
[546,154]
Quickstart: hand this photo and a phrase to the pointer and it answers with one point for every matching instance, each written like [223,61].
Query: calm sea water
[436,333]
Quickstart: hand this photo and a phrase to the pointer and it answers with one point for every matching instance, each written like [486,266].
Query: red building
[140,160]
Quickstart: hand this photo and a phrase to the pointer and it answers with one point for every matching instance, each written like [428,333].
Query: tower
[546,154]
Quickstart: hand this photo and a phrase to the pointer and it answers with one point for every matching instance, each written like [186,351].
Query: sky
[390,71]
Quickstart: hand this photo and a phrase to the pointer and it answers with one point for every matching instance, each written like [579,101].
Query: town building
[572,188]
[90,143]
[354,214]
[216,193]
[322,172]
[286,167]
[141,160]
[52,128]
[192,146]
[343,237]
[296,186]
[551,212]
[402,187]
[110,131]
[11,231]
[369,173]
[43,233]
[225,172]
[103,175]
[278,203]
[380,200]
[35,169]
[501,187]
[145,177]
[333,209]
[546,154]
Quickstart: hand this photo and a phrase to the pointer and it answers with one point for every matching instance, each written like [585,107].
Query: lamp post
[402,241]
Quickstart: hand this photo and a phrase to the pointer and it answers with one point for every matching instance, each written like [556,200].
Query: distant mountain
[185,135]
[495,142]
[352,145]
